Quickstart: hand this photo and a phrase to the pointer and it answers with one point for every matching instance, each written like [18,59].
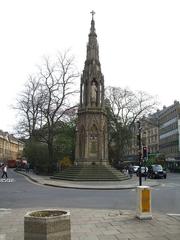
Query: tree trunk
[51,155]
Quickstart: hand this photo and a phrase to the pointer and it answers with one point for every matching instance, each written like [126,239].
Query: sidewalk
[105,185]
[91,224]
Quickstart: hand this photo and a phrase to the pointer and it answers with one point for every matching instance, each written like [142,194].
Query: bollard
[47,224]
[143,210]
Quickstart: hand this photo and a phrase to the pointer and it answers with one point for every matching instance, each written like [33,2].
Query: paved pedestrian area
[105,185]
[91,224]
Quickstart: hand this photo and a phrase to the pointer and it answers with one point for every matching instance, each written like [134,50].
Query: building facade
[91,133]
[10,147]
[150,133]
[149,138]
[160,134]
[169,132]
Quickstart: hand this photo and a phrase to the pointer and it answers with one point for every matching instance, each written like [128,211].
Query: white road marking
[174,214]
[5,209]
[170,185]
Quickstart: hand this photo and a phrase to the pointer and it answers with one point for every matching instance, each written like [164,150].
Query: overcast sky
[139,42]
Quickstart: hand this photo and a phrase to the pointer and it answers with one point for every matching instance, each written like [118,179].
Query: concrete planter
[49,224]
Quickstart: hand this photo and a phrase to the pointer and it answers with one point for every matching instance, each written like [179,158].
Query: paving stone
[2,236]
[150,238]
[89,237]
[124,236]
[93,224]
[105,237]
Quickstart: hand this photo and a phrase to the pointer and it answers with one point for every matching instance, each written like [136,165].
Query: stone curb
[98,187]
[32,179]
[85,187]
[91,188]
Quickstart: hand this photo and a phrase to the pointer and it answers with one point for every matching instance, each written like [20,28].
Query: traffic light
[145,151]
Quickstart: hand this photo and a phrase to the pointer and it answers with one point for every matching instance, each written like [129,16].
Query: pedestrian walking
[27,167]
[130,170]
[4,169]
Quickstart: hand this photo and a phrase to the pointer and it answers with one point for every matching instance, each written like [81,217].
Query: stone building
[10,147]
[160,134]
[149,137]
[150,133]
[91,135]
[169,132]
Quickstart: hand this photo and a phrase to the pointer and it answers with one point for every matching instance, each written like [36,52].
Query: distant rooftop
[9,137]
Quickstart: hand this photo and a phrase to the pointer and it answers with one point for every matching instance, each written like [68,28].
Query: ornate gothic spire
[92,46]
[92,80]
[92,30]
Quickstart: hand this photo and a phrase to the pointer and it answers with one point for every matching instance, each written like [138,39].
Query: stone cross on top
[92,12]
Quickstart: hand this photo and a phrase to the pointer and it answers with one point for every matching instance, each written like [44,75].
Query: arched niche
[94,92]
[93,141]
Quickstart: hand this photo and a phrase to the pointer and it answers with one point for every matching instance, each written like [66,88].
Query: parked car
[156,171]
[144,171]
[135,169]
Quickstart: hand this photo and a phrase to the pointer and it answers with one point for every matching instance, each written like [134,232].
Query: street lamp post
[145,154]
[145,150]
[139,151]
[145,168]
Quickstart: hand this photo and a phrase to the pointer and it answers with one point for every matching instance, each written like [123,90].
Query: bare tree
[28,105]
[48,99]
[57,90]
[125,107]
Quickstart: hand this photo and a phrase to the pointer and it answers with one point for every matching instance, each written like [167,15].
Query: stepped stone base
[91,173]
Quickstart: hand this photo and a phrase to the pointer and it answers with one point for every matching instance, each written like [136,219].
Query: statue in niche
[93,92]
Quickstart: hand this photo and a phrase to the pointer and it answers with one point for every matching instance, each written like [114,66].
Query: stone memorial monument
[91,153]
[91,135]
